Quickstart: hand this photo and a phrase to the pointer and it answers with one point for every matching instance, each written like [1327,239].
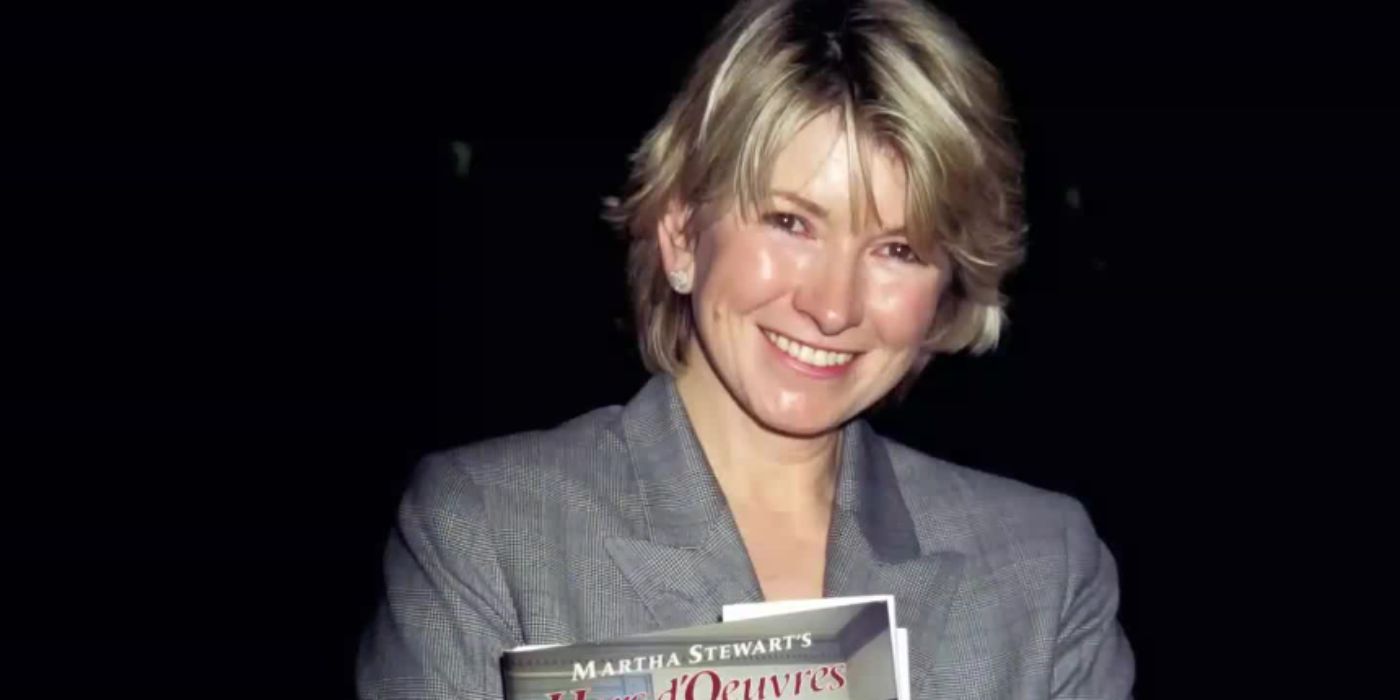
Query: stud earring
[680,281]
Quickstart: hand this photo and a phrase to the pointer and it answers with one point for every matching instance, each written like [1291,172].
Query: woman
[831,199]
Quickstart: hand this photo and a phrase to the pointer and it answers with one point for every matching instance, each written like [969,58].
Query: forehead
[858,183]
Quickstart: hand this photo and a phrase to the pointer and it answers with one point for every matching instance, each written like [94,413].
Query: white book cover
[747,611]
[842,649]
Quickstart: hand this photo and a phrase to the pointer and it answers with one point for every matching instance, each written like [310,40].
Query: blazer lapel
[874,547]
[684,586]
[692,560]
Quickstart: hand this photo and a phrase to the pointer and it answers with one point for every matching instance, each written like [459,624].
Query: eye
[791,223]
[901,251]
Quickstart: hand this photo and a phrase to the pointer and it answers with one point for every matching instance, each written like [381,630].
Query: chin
[799,423]
[802,429]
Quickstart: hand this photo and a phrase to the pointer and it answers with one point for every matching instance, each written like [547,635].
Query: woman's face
[810,313]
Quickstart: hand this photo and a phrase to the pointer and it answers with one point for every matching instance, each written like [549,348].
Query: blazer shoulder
[587,451]
[1029,552]
[935,487]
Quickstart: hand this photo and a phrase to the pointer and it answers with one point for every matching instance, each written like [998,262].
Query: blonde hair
[901,76]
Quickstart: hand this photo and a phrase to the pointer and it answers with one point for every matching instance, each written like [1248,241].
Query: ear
[677,247]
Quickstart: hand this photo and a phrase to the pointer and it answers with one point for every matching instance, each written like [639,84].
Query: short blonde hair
[901,76]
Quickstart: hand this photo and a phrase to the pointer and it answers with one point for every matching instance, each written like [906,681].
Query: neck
[755,465]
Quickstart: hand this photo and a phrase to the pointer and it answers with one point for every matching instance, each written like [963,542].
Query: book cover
[833,653]
[747,611]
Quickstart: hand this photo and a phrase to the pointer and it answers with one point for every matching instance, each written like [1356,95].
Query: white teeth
[809,355]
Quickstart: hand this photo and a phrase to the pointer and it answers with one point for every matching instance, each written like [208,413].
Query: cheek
[746,270]
[903,309]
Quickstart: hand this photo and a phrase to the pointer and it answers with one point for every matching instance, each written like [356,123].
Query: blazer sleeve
[446,615]
[1092,657]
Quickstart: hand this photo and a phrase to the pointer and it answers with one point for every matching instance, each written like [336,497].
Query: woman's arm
[1092,656]
[446,616]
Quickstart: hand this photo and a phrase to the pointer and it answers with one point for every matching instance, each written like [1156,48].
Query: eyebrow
[812,207]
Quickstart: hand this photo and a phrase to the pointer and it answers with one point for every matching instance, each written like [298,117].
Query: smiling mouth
[807,354]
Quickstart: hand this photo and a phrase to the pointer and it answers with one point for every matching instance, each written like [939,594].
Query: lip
[814,346]
[813,371]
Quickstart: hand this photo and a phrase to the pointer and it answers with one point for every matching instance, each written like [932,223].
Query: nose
[831,295]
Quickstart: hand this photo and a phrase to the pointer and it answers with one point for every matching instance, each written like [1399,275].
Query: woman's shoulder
[587,450]
[946,493]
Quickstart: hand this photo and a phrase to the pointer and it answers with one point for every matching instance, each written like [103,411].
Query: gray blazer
[613,523]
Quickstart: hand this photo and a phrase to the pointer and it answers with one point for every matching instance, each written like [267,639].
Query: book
[829,649]
[746,611]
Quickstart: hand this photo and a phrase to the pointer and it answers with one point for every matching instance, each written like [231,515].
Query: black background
[251,288]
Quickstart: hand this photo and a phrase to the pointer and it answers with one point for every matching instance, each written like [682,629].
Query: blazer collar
[693,559]
[683,501]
